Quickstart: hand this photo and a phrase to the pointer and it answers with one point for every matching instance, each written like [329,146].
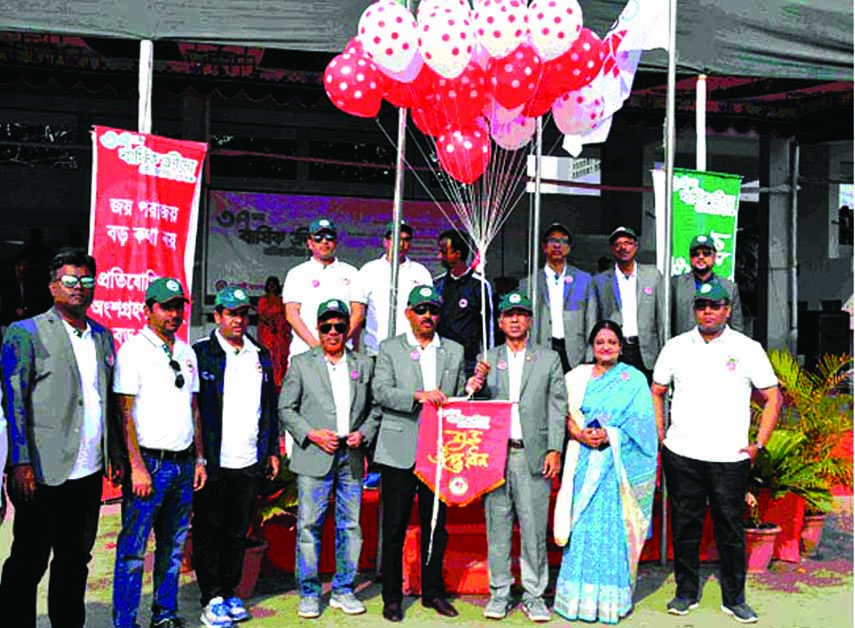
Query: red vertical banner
[145,207]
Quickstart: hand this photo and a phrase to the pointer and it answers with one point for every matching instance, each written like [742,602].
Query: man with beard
[702,257]
[414,368]
[156,382]
[63,437]
[460,317]
[630,294]
[706,455]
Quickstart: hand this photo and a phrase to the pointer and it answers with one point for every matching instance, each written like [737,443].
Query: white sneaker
[216,614]
[309,607]
[347,603]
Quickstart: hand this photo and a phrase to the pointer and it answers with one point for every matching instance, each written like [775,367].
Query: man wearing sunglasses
[319,278]
[706,455]
[413,368]
[702,257]
[157,380]
[240,435]
[326,405]
[63,438]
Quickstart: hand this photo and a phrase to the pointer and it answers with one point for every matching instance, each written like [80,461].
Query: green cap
[712,291]
[390,227]
[322,224]
[622,231]
[423,294]
[165,289]
[702,241]
[232,298]
[515,300]
[333,306]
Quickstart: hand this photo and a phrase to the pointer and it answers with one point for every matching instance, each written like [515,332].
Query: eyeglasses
[701,253]
[403,238]
[320,237]
[424,308]
[179,378]
[72,281]
[561,241]
[328,327]
[715,306]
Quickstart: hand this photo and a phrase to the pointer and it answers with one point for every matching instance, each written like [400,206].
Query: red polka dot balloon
[463,98]
[387,32]
[579,111]
[500,25]
[515,77]
[582,62]
[464,153]
[553,26]
[354,85]
[446,40]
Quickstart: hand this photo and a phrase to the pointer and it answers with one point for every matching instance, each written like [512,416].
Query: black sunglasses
[424,308]
[179,378]
[715,306]
[320,237]
[72,281]
[328,327]
[701,253]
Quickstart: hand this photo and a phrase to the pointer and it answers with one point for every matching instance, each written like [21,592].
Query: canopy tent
[776,38]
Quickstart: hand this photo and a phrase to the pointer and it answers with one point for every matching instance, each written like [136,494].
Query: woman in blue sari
[602,514]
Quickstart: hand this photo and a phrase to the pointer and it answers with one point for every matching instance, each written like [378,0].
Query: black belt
[631,340]
[515,443]
[168,454]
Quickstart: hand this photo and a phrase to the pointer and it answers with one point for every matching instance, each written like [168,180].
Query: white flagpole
[145,83]
[701,123]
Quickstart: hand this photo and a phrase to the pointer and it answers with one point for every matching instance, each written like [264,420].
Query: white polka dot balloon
[500,25]
[553,26]
[579,111]
[446,40]
[387,32]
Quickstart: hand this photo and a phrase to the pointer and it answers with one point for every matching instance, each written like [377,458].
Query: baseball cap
[333,306]
[390,227]
[556,226]
[515,300]
[702,241]
[622,231]
[711,291]
[423,294]
[232,298]
[165,289]
[322,224]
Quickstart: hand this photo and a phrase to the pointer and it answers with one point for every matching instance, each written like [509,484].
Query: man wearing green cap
[532,378]
[375,285]
[319,278]
[413,368]
[326,405]
[156,381]
[702,257]
[706,455]
[240,436]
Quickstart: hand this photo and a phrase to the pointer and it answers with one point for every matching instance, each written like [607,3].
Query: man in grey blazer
[630,294]
[327,407]
[414,368]
[566,309]
[531,377]
[63,438]
[702,257]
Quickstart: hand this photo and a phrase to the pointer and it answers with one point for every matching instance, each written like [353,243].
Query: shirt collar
[322,266]
[248,345]
[550,274]
[71,329]
[411,340]
[697,338]
[631,275]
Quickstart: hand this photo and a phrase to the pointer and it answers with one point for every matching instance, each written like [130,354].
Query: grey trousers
[528,496]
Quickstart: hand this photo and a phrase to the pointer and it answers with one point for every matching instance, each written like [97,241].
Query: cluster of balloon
[472,74]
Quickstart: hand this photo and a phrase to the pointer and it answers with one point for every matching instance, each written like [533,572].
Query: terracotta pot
[788,512]
[811,533]
[252,557]
[759,547]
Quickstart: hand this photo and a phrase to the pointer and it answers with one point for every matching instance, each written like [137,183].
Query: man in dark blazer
[64,436]
[562,323]
[327,407]
[630,294]
[414,368]
[530,376]
[702,257]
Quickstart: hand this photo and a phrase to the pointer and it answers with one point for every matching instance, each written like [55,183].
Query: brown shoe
[392,612]
[441,606]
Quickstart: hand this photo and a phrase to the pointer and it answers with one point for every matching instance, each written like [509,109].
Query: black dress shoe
[441,606]
[392,611]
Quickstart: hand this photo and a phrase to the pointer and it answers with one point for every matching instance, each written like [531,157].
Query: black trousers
[221,513]
[631,354]
[691,484]
[399,490]
[63,519]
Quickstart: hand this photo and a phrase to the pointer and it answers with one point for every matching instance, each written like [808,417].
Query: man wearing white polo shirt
[706,454]
[321,277]
[156,382]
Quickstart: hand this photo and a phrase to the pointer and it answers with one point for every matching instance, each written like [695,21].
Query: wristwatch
[202,461]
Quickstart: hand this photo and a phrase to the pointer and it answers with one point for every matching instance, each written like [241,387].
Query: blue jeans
[167,510]
[313,496]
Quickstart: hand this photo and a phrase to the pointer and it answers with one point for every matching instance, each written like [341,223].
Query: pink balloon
[495,113]
[354,85]
[579,111]
[514,134]
[515,77]
[408,74]
[464,153]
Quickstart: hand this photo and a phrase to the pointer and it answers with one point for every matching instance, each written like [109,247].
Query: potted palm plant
[275,519]
[759,537]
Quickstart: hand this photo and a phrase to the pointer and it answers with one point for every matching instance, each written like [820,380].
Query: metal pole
[794,243]
[670,140]
[145,82]
[535,223]
[397,215]
[701,123]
